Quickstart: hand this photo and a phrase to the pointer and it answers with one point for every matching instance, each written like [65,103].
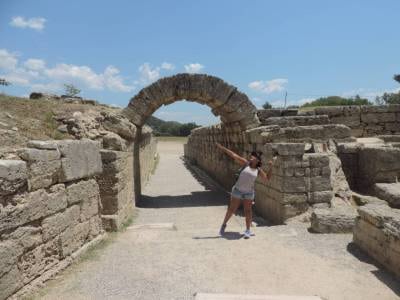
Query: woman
[243,190]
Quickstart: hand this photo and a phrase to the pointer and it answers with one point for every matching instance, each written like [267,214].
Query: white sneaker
[247,234]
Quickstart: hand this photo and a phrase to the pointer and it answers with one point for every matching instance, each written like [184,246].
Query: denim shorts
[242,195]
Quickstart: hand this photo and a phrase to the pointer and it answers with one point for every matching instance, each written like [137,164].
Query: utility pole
[285,99]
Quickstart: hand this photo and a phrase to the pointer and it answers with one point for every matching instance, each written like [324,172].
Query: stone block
[320,197]
[9,253]
[10,283]
[46,145]
[389,192]
[119,125]
[113,141]
[13,176]
[393,127]
[40,259]
[378,164]
[351,121]
[73,238]
[95,226]
[55,224]
[33,206]
[79,159]
[378,215]
[333,220]
[80,191]
[44,167]
[378,117]
[289,149]
[90,207]
[320,183]
[25,238]
[293,185]
[318,160]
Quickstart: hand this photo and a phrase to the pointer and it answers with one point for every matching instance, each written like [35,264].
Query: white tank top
[247,177]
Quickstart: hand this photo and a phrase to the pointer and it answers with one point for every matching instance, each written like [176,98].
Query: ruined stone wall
[116,188]
[49,208]
[57,196]
[148,154]
[299,180]
[377,233]
[371,164]
[117,181]
[364,121]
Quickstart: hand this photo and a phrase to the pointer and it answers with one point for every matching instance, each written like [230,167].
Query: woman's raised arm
[240,160]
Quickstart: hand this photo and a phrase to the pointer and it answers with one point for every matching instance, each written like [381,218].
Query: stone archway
[224,100]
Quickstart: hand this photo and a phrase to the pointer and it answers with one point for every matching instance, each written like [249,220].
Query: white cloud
[33,23]
[35,64]
[269,86]
[84,75]
[114,81]
[148,74]
[34,74]
[51,87]
[167,66]
[8,61]
[193,68]
[76,74]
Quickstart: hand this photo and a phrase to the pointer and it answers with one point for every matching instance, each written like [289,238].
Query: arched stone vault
[224,99]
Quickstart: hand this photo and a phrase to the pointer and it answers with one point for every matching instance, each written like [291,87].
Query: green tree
[267,105]
[397,77]
[388,98]
[337,101]
[71,90]
[4,82]
[186,128]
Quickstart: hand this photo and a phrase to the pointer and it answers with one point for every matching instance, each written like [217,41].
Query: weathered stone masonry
[318,160]
[57,197]
[300,180]
[50,207]
[365,121]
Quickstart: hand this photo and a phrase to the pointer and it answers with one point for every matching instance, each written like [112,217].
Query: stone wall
[148,154]
[364,121]
[369,165]
[49,208]
[367,120]
[56,197]
[306,172]
[377,232]
[117,181]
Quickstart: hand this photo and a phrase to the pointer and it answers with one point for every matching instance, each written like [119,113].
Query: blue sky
[112,49]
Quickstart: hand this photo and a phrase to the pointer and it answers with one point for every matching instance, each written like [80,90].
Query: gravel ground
[160,263]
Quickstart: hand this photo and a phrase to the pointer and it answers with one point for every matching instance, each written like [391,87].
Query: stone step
[207,296]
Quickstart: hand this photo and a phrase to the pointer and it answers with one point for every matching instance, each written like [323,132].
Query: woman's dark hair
[258,156]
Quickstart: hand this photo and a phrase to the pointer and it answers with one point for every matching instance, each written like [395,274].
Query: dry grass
[34,119]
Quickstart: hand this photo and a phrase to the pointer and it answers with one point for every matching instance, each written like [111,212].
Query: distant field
[179,139]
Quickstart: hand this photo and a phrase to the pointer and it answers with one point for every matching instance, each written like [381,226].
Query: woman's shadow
[228,235]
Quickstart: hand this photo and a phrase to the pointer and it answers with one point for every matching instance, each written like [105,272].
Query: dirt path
[175,264]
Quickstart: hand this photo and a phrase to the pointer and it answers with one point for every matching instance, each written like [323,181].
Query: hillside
[170,128]
[23,119]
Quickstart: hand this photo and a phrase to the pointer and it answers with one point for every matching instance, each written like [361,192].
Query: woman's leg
[248,212]
[233,206]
